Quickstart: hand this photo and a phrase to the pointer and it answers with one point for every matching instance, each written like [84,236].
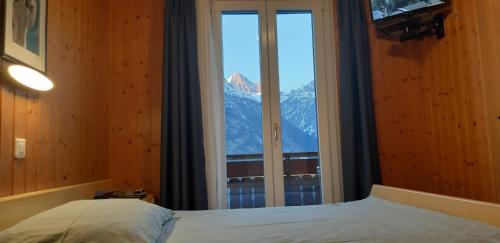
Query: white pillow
[108,220]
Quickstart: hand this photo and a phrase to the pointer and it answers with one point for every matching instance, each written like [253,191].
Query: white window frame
[326,91]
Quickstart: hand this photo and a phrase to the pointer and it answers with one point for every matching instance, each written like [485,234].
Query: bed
[369,220]
[388,215]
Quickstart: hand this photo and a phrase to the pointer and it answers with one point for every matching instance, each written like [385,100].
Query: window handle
[276,132]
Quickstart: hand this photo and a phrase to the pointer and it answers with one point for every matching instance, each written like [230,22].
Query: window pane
[243,110]
[298,108]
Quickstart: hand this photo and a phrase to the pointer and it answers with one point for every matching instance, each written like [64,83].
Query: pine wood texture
[66,128]
[135,66]
[470,209]
[16,208]
[437,106]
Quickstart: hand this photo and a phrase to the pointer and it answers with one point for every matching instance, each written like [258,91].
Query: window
[277,141]
[243,110]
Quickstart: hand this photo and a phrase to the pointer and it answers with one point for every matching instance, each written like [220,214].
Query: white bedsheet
[369,220]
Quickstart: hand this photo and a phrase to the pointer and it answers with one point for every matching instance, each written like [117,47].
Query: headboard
[14,209]
[470,209]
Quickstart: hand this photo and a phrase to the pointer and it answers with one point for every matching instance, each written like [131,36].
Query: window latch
[276,132]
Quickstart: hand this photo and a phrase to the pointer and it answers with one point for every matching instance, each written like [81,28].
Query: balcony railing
[245,180]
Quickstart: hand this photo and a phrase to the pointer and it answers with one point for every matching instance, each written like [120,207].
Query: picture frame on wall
[24,35]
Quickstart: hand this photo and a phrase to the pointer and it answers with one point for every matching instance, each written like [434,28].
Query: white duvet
[369,220]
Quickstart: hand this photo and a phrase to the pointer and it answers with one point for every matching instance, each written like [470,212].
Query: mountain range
[243,114]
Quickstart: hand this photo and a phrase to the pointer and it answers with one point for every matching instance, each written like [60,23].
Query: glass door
[271,72]
[298,107]
[241,27]
[243,110]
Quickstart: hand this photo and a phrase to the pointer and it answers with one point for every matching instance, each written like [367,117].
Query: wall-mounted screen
[382,9]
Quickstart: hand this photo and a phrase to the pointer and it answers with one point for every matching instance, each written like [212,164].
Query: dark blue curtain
[360,163]
[183,179]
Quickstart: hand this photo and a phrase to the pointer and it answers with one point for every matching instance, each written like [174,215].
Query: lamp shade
[30,78]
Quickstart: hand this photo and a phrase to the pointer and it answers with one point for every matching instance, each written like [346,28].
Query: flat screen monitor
[389,9]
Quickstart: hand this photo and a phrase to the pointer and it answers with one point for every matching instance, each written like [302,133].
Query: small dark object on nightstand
[140,193]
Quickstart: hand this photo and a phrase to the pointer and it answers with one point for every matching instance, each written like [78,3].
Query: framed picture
[24,32]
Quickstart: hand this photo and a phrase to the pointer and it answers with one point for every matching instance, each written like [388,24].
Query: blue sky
[240,35]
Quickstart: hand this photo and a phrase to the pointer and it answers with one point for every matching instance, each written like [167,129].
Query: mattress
[369,220]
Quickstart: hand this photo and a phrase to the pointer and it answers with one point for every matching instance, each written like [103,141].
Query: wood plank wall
[135,66]
[436,103]
[436,126]
[66,128]
[437,107]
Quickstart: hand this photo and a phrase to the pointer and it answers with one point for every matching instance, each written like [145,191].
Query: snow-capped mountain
[243,85]
[299,108]
[243,114]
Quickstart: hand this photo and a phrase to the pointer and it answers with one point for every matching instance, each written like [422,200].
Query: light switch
[20,148]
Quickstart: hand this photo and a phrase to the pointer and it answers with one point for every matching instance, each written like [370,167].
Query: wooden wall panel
[435,124]
[135,66]
[436,108]
[20,126]
[489,39]
[66,128]
[6,140]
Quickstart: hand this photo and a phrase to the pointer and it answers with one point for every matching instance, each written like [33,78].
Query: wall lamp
[30,78]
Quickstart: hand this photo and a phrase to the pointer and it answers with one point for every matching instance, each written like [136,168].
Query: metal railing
[245,180]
